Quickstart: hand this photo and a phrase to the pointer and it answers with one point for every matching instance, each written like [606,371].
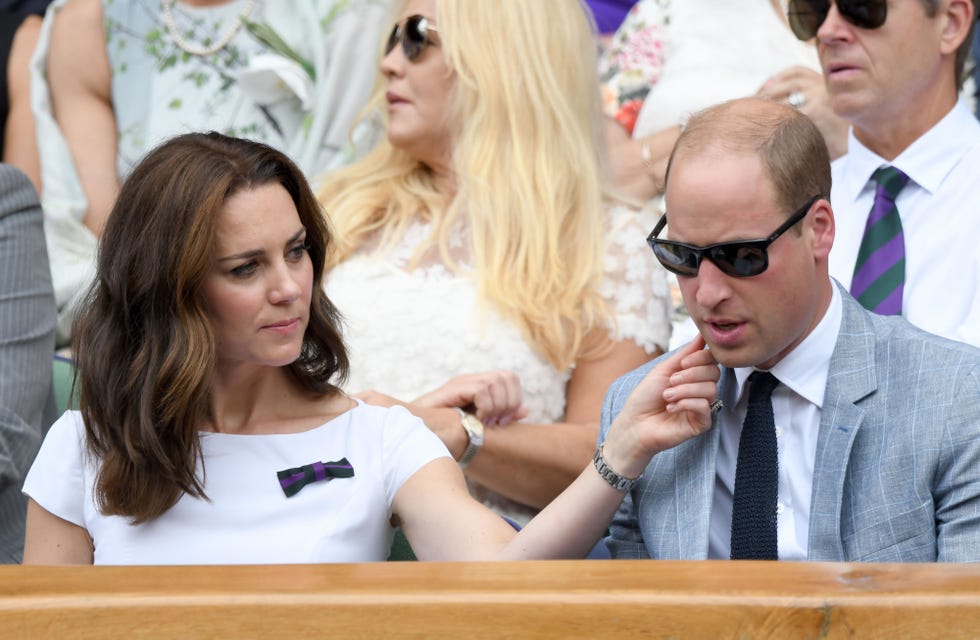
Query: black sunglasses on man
[806,16]
[742,259]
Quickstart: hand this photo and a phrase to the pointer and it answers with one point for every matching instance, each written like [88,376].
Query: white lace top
[409,332]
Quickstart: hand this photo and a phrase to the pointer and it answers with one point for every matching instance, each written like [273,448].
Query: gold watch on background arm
[474,431]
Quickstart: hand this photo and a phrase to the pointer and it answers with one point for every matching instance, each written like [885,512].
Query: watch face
[473,428]
[474,432]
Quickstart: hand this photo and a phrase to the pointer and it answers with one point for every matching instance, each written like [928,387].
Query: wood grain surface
[555,599]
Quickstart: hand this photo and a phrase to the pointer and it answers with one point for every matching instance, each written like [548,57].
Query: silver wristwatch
[616,481]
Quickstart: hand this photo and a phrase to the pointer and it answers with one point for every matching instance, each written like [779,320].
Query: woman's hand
[632,174]
[378,399]
[670,405]
[442,421]
[812,101]
[494,396]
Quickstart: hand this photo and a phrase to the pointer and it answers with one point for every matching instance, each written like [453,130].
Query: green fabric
[401,551]
[63,373]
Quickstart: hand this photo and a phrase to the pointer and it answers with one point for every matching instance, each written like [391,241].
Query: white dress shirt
[796,404]
[940,212]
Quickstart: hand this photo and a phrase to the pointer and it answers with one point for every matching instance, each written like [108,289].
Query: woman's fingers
[498,398]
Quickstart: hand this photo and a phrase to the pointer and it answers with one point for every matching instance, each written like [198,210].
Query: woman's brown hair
[145,350]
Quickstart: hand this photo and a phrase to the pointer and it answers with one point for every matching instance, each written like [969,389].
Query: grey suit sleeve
[27,321]
[957,482]
[625,539]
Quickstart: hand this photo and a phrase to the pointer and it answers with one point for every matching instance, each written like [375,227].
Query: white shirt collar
[804,370]
[927,161]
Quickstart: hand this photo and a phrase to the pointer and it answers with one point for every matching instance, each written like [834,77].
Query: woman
[473,244]
[111,80]
[211,428]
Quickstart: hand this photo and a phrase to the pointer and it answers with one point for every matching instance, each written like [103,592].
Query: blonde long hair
[526,131]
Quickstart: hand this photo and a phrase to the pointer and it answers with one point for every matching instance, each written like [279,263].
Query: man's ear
[957,17]
[822,228]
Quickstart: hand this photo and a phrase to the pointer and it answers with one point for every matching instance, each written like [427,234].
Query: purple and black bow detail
[292,480]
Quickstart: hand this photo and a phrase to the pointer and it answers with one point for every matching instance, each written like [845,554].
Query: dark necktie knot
[761,387]
[891,180]
[756,476]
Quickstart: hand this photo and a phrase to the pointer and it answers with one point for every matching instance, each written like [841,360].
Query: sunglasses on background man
[806,16]
[415,35]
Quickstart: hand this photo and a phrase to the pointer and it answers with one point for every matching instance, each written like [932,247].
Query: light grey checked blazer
[27,321]
[897,469]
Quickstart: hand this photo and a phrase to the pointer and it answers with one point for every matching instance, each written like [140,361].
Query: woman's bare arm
[80,79]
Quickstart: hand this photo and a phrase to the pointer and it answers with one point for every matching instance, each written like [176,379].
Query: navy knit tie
[756,476]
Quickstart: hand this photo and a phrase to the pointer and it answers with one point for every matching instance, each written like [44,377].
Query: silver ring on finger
[716,406]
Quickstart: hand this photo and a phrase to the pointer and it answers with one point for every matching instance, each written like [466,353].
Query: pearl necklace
[196,49]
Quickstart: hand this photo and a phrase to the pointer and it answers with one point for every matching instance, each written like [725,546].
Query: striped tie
[879,273]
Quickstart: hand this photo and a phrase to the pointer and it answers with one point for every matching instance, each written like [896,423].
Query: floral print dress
[294,76]
[634,60]
[278,80]
[670,59]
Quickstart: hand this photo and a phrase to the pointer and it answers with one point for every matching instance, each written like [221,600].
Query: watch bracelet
[615,480]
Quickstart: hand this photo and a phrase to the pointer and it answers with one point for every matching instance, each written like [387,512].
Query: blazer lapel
[694,490]
[694,485]
[852,376]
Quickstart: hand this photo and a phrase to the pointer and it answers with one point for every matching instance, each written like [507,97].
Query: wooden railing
[558,599]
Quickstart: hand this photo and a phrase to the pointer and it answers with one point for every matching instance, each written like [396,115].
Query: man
[27,320]
[874,426]
[894,69]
